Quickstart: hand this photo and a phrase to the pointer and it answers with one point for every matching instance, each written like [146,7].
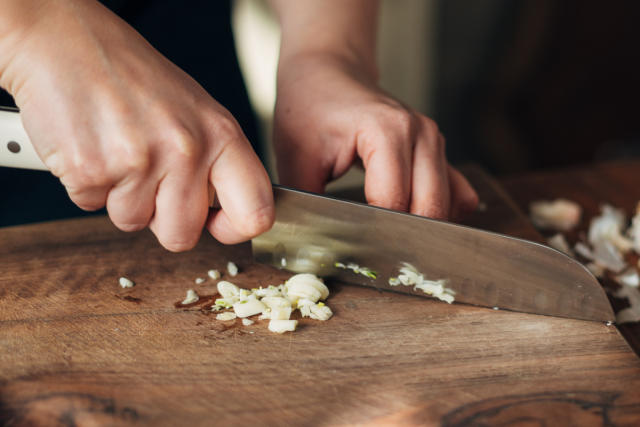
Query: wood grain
[74,351]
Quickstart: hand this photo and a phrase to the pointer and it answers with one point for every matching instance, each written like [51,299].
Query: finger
[464,199]
[387,164]
[303,171]
[131,204]
[181,209]
[245,194]
[88,198]
[430,186]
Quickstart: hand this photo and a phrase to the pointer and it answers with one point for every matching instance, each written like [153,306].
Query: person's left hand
[328,116]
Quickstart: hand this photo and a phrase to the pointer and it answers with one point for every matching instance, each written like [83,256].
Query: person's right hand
[122,126]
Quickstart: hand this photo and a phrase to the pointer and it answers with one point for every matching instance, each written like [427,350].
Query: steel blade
[313,232]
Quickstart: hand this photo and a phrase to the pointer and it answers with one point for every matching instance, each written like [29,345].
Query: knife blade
[312,233]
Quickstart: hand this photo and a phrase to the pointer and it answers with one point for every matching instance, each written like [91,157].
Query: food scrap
[126,283]
[214,274]
[226,316]
[199,280]
[410,276]
[191,297]
[365,271]
[558,215]
[232,269]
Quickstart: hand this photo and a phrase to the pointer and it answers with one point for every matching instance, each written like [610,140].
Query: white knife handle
[16,150]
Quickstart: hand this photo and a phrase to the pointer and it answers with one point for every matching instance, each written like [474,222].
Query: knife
[315,234]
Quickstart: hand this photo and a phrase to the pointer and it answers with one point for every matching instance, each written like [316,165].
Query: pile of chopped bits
[607,250]
[303,292]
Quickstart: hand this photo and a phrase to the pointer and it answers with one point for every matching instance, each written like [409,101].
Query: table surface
[75,349]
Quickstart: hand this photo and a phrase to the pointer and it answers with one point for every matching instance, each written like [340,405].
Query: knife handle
[16,150]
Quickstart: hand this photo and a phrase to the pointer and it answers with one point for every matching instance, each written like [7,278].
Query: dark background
[521,85]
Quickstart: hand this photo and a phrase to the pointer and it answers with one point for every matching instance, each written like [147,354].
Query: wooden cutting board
[76,349]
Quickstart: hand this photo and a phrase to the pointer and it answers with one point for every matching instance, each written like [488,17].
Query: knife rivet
[13,146]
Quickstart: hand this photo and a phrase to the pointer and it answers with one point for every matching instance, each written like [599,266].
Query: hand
[121,126]
[329,115]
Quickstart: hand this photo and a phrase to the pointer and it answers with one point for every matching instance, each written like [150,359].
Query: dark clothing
[196,35]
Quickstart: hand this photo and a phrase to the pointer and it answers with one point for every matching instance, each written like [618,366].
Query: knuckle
[184,144]
[226,128]
[400,119]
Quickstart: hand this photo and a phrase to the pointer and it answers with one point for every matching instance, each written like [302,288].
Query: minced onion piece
[227,315]
[559,242]
[282,326]
[320,311]
[191,297]
[232,269]
[214,274]
[199,281]
[409,276]
[247,322]
[248,307]
[559,215]
[126,283]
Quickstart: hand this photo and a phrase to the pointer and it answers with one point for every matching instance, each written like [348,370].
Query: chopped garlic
[280,313]
[232,269]
[629,278]
[248,307]
[409,276]
[247,322]
[560,214]
[276,302]
[365,271]
[320,312]
[228,289]
[271,291]
[191,297]
[282,326]
[227,315]
[306,286]
[559,242]
[214,274]
[608,256]
[584,251]
[126,283]
[608,227]
[634,231]
[199,281]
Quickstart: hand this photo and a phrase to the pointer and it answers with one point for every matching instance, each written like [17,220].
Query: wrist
[310,61]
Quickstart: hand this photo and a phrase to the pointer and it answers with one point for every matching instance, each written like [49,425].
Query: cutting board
[76,349]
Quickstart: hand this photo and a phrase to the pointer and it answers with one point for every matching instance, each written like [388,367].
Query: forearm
[344,30]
